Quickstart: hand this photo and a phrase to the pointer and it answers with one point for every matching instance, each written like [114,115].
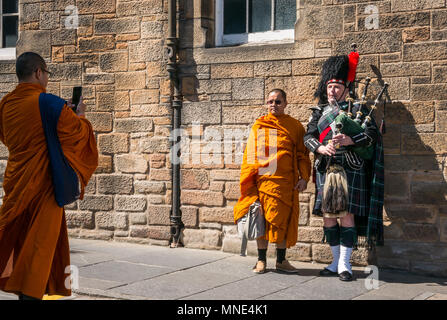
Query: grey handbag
[251,226]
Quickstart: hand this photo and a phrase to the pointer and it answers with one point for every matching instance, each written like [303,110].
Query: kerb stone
[202,239]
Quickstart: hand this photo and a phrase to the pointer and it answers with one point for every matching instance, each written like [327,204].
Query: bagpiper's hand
[342,140]
[328,150]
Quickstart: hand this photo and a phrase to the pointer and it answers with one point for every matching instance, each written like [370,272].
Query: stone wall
[117,54]
[8,82]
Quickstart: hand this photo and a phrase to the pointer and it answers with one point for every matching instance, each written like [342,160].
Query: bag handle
[245,234]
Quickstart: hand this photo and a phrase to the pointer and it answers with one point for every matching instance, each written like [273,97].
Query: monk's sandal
[285,266]
[259,267]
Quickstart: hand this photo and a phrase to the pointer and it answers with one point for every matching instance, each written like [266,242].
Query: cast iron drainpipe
[176,101]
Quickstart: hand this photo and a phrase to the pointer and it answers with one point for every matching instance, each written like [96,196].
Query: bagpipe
[350,124]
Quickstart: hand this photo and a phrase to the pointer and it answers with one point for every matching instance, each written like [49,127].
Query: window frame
[221,40]
[7,53]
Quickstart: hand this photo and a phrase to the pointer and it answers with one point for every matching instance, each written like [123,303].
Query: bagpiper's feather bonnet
[337,69]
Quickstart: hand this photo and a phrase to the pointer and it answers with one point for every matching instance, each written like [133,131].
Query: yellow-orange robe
[270,175]
[34,248]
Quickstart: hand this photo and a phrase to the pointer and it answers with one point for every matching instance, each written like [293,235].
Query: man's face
[276,103]
[336,92]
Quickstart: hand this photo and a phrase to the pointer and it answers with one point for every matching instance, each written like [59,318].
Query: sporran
[335,192]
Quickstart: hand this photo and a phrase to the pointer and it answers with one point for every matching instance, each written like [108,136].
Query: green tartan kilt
[358,196]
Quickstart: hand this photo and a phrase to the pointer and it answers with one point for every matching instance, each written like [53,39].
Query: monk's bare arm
[302,154]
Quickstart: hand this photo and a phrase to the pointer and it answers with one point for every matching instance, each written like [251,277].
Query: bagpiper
[349,184]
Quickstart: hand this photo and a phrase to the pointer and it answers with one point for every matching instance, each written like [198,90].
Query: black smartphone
[77,92]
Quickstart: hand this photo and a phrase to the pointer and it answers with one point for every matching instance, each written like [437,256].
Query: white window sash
[8,53]
[258,37]
[222,39]
[219,22]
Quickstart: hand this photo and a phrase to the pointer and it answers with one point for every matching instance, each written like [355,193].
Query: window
[9,27]
[247,21]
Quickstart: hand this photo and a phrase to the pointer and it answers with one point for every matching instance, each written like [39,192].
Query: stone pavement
[127,271]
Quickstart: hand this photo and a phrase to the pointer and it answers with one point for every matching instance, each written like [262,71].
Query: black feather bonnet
[335,67]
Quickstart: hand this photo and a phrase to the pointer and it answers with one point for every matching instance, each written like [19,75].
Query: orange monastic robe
[34,248]
[274,160]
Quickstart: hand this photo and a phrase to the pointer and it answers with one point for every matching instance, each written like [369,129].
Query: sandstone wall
[117,54]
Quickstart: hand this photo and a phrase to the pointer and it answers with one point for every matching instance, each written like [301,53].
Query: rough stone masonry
[117,53]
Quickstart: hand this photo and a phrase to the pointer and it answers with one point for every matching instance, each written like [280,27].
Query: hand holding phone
[77,93]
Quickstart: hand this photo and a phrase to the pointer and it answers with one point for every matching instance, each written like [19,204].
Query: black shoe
[345,276]
[328,273]
[25,297]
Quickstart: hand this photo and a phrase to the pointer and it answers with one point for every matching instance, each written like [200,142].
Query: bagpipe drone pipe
[346,123]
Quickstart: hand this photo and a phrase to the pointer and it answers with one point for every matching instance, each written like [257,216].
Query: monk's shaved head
[27,63]
[280,91]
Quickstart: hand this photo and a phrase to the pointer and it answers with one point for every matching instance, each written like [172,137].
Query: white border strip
[7,53]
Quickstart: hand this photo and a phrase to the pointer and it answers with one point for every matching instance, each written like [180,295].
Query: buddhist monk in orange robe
[276,166]
[34,248]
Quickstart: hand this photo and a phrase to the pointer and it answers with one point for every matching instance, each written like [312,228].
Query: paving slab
[126,271]
[251,288]
[7,296]
[398,291]
[81,258]
[396,276]
[116,250]
[424,296]
[227,266]
[122,271]
[179,258]
[178,285]
[438,296]
[330,288]
[94,283]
